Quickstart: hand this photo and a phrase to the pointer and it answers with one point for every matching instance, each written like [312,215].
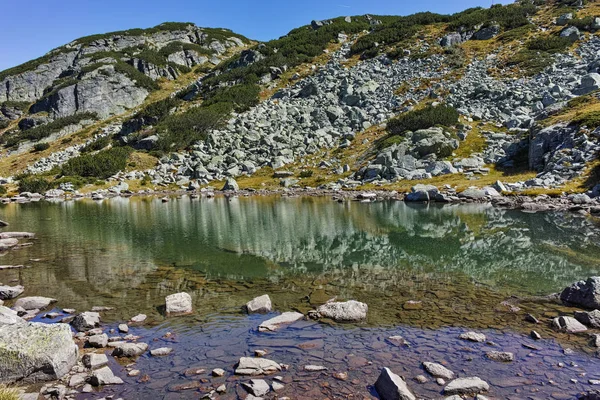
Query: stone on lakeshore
[591,319]
[568,324]
[94,361]
[98,341]
[17,235]
[77,379]
[472,385]
[273,324]
[315,368]
[9,317]
[420,193]
[473,337]
[256,366]
[10,292]
[257,387]
[501,356]
[438,370]
[35,352]
[86,321]
[162,351]
[348,311]
[123,328]
[261,305]
[178,303]
[34,302]
[130,349]
[139,318]
[218,372]
[390,386]
[104,376]
[585,294]
[230,185]
[277,386]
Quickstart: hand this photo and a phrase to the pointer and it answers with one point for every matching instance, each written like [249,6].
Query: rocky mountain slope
[508,94]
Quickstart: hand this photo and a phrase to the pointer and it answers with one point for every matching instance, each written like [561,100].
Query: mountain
[507,93]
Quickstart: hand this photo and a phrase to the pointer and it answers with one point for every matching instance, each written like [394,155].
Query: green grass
[424,118]
[590,119]
[7,393]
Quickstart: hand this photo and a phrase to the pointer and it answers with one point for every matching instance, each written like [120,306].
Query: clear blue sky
[30,29]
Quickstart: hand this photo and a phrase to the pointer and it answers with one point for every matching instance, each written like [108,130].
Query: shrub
[531,62]
[307,173]
[174,47]
[33,184]
[96,145]
[18,105]
[7,393]
[76,181]
[590,119]
[423,119]
[508,17]
[103,164]
[241,97]
[549,44]
[41,146]
[3,191]
[4,124]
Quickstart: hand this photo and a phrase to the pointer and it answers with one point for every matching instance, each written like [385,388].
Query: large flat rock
[35,352]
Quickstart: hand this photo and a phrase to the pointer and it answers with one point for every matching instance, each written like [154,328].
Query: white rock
[179,303]
[472,385]
[438,370]
[344,311]
[276,323]
[260,304]
[256,366]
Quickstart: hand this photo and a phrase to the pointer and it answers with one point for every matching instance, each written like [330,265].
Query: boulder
[162,351]
[276,323]
[568,324]
[390,386]
[501,356]
[451,39]
[571,32]
[35,352]
[257,387]
[585,294]
[230,185]
[130,350]
[94,361]
[472,385]
[261,304]
[473,194]
[420,193]
[178,303]
[487,33]
[98,341]
[591,319]
[10,292]
[564,19]
[589,83]
[473,337]
[256,366]
[34,302]
[9,317]
[438,370]
[348,311]
[104,376]
[86,321]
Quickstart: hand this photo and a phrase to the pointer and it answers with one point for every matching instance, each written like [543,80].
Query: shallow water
[461,261]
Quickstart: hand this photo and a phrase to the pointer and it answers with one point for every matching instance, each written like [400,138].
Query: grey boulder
[390,386]
[35,352]
[261,304]
[438,370]
[34,302]
[178,303]
[585,294]
[470,385]
[10,292]
[344,311]
[86,321]
[276,323]
[568,324]
[256,366]
[9,317]
[591,319]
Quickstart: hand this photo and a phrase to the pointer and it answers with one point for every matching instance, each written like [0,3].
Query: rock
[451,39]
[218,372]
[564,19]
[230,185]
[438,370]
[591,319]
[315,368]
[123,328]
[34,302]
[422,193]
[98,341]
[256,366]
[535,336]
[94,361]
[500,356]
[348,311]
[585,294]
[10,292]
[77,379]
[589,83]
[473,337]
[178,303]
[9,317]
[130,350]
[261,305]
[487,33]
[257,387]
[390,386]
[86,321]
[139,318]
[222,389]
[568,324]
[571,32]
[104,376]
[162,351]
[277,386]
[274,324]
[471,385]
[35,352]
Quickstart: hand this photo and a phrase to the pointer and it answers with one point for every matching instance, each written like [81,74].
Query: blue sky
[30,29]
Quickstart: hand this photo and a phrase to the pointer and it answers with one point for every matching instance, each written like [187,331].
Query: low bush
[549,44]
[41,146]
[241,97]
[422,119]
[96,145]
[3,191]
[307,173]
[590,119]
[33,184]
[103,164]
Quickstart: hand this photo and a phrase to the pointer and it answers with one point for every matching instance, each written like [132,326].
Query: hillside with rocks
[507,96]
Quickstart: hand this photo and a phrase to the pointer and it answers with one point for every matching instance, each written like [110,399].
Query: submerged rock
[472,385]
[35,352]
[585,294]
[256,366]
[438,370]
[344,311]
[473,337]
[390,386]
[130,350]
[260,305]
[274,324]
[501,356]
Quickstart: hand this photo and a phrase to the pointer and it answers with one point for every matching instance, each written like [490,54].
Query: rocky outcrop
[585,294]
[103,91]
[35,352]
